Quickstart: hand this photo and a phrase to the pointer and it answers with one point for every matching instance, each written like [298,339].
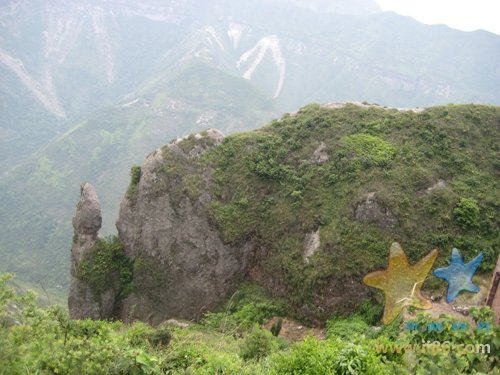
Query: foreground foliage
[42,341]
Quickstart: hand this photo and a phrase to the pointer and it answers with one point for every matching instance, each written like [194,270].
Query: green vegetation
[258,344]
[268,185]
[39,197]
[105,264]
[352,360]
[157,80]
[467,212]
[135,177]
[370,147]
[450,360]
[46,296]
[6,293]
[276,327]
[45,341]
[248,307]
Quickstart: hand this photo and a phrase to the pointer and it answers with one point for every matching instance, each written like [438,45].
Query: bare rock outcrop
[198,144]
[182,268]
[320,155]
[86,222]
[371,210]
[82,301]
[312,243]
[441,184]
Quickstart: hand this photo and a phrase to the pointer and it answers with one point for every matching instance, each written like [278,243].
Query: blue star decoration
[459,275]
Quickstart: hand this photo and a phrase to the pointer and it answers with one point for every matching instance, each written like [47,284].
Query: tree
[6,292]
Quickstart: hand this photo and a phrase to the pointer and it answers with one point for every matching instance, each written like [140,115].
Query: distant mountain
[88,88]
[355,7]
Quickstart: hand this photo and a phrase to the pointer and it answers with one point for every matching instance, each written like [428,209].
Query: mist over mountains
[89,88]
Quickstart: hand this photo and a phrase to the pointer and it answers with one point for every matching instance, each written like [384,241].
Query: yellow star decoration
[401,282]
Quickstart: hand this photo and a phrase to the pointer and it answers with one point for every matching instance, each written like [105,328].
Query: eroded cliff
[182,268]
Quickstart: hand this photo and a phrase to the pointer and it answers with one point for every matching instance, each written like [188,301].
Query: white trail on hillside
[272,43]
[44,94]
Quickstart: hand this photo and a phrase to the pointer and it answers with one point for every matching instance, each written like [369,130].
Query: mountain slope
[36,220]
[74,57]
[306,206]
[67,68]
[59,61]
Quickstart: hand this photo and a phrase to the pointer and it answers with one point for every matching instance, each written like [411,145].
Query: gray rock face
[371,210]
[312,243]
[82,302]
[441,184]
[182,268]
[320,155]
[213,136]
[86,222]
[340,296]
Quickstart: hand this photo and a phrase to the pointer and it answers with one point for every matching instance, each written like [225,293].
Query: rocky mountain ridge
[185,267]
[130,77]
[305,206]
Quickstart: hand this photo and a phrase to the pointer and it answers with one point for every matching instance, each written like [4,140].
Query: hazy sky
[467,15]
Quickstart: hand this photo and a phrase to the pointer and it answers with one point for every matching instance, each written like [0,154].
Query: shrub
[6,293]
[346,327]
[137,362]
[89,328]
[184,357]
[310,356]
[458,332]
[135,177]
[255,313]
[351,361]
[106,261]
[137,333]
[221,322]
[371,312]
[135,174]
[393,330]
[160,337]
[276,327]
[467,212]
[371,147]
[192,184]
[259,343]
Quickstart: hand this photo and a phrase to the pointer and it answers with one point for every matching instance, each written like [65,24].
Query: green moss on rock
[106,262]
